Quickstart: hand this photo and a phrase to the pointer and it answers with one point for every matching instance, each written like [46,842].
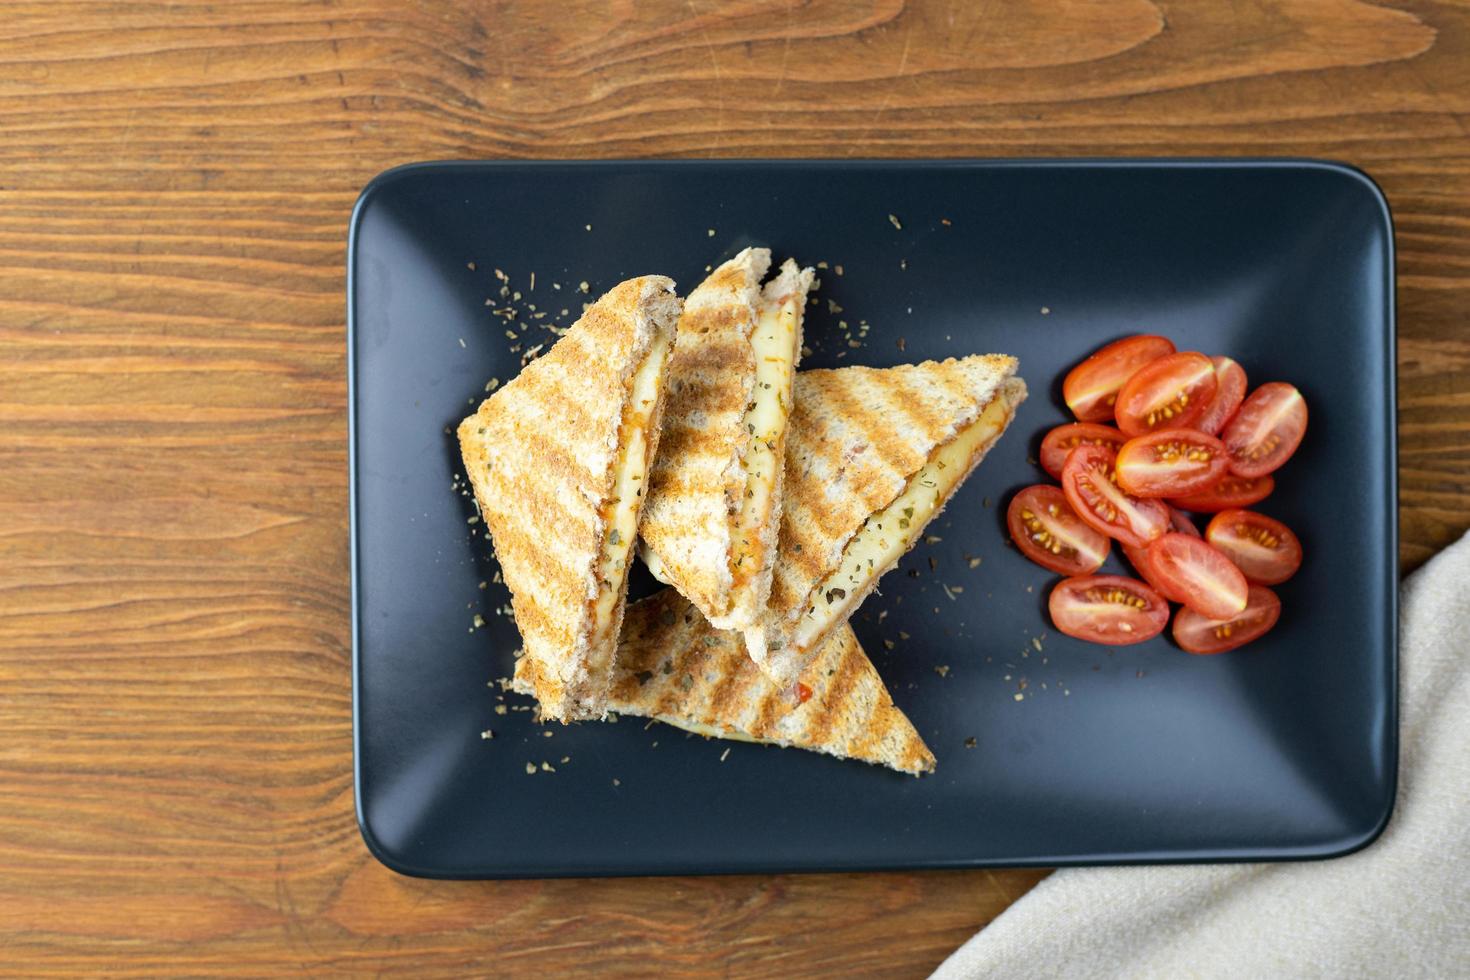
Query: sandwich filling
[620,512]
[773,342]
[710,731]
[889,533]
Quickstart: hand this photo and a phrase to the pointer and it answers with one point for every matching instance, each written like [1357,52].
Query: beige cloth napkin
[1398,908]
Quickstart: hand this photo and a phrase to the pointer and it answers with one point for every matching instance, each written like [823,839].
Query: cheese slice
[774,344]
[655,565]
[889,533]
[627,495]
[709,731]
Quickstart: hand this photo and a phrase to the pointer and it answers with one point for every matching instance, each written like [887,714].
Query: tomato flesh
[1060,442]
[1171,463]
[1266,430]
[1199,634]
[1091,388]
[1049,532]
[1107,609]
[1229,493]
[1264,549]
[1090,482]
[1170,393]
[1229,393]
[1199,576]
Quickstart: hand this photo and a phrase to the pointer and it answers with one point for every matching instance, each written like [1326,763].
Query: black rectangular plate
[1286,749]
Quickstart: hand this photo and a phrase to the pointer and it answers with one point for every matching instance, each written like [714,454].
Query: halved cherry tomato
[1065,438]
[1107,609]
[1230,492]
[1171,463]
[1229,393]
[1049,532]
[1091,486]
[1091,387]
[1170,393]
[1138,557]
[1197,634]
[1202,578]
[1266,430]
[1264,549]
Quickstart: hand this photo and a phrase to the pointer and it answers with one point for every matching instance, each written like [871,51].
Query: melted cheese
[655,564]
[888,534]
[774,344]
[627,493]
[710,731]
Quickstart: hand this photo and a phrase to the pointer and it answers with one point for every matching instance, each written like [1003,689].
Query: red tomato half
[1065,438]
[1197,634]
[1230,492]
[1107,609]
[1229,393]
[1170,393]
[1138,557]
[1264,549]
[1092,386]
[1049,532]
[1171,463]
[1201,577]
[1266,430]
[1091,486]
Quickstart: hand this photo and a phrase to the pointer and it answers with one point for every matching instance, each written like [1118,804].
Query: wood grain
[175,181]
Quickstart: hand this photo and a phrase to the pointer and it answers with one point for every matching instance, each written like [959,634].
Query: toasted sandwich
[675,667]
[872,457]
[714,496]
[559,459]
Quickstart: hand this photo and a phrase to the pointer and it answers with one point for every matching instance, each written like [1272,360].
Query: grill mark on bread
[689,482]
[771,705]
[683,439]
[865,738]
[912,413]
[878,473]
[728,352]
[839,685]
[729,688]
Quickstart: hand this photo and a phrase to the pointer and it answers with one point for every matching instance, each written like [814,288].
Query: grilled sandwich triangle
[559,459]
[675,667]
[872,456]
[714,501]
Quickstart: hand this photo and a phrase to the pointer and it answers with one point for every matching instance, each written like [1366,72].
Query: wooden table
[175,182]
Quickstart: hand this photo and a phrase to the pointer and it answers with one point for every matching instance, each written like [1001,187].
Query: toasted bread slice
[674,666]
[873,456]
[714,503]
[558,459]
